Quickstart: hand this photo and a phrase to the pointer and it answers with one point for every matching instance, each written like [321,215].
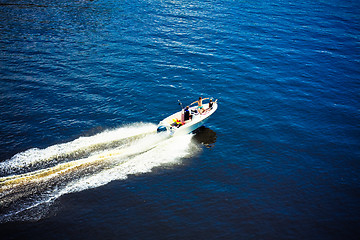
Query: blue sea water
[84,83]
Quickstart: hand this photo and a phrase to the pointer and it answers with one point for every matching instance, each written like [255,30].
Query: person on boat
[210,105]
[187,115]
[200,106]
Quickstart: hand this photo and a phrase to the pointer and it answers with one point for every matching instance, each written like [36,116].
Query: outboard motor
[161,129]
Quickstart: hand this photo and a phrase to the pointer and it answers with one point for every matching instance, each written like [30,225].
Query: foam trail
[168,152]
[38,158]
[128,150]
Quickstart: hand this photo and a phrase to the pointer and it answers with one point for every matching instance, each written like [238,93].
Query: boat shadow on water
[205,136]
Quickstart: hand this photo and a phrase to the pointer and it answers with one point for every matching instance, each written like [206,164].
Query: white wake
[31,180]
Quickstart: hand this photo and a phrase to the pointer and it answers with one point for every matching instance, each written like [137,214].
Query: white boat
[176,124]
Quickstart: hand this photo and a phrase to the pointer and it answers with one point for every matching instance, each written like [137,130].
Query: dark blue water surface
[278,160]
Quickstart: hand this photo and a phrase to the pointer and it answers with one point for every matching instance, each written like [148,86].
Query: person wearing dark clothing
[187,115]
[210,104]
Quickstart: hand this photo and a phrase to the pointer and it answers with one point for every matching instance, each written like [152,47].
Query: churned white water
[26,188]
